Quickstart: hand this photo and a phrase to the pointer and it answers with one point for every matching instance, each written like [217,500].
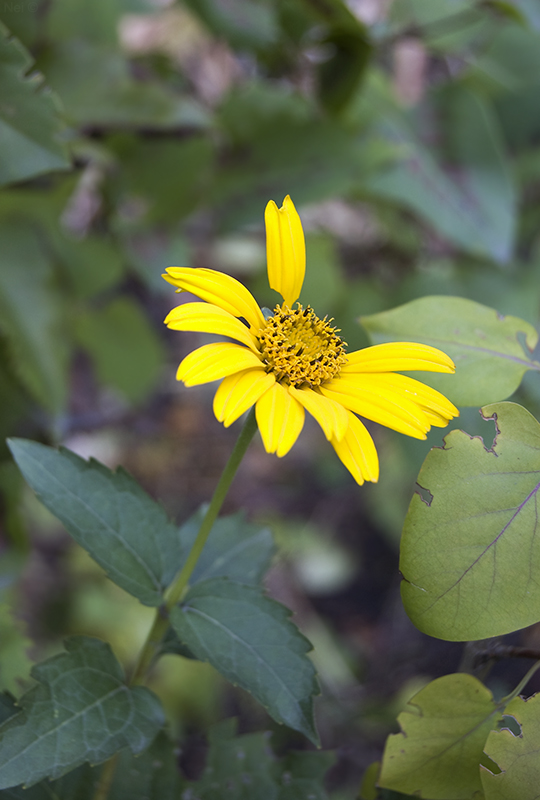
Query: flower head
[291,361]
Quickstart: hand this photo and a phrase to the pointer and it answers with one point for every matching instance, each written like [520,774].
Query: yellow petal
[280,419]
[426,397]
[239,392]
[357,451]
[214,361]
[208,318]
[331,416]
[220,289]
[398,357]
[387,408]
[285,250]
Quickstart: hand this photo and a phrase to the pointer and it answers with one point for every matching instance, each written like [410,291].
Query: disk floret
[300,348]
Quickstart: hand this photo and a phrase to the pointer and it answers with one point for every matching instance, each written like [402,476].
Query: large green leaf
[471,554]
[125,349]
[31,317]
[443,731]
[518,757]
[473,204]
[491,352]
[243,768]
[108,514]
[81,710]
[29,118]
[249,639]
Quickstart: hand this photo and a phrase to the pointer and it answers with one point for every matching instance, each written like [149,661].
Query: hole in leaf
[425,495]
[511,724]
[488,763]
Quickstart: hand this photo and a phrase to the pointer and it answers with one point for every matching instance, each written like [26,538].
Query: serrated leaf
[152,775]
[80,711]
[108,514]
[29,119]
[31,318]
[236,549]
[518,757]
[244,768]
[443,731]
[469,558]
[250,640]
[110,335]
[491,352]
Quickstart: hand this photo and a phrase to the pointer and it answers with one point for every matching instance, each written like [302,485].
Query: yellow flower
[290,361]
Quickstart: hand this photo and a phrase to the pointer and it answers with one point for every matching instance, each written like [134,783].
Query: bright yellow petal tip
[285,250]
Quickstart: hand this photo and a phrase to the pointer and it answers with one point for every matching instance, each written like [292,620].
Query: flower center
[301,348]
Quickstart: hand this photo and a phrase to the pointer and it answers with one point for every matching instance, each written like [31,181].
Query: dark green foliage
[251,641]
[81,710]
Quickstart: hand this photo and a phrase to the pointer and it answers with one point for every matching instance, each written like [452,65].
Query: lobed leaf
[518,757]
[108,514]
[470,558]
[29,119]
[250,640]
[81,710]
[443,731]
[491,352]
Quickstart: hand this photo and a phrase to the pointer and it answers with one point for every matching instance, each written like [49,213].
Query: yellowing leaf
[470,559]
[443,731]
[518,757]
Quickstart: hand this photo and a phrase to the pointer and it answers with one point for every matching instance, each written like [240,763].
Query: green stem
[106,778]
[179,586]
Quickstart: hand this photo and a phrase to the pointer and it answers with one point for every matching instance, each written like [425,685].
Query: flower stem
[179,586]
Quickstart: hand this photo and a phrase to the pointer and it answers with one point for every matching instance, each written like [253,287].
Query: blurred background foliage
[138,134]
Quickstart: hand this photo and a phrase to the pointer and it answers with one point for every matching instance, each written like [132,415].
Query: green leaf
[150,174]
[518,757]
[96,88]
[469,557]
[236,549]
[340,76]
[474,204]
[30,315]
[80,711]
[152,775]
[29,119]
[250,640]
[125,349]
[491,352]
[244,768]
[303,776]
[443,731]
[244,23]
[108,514]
